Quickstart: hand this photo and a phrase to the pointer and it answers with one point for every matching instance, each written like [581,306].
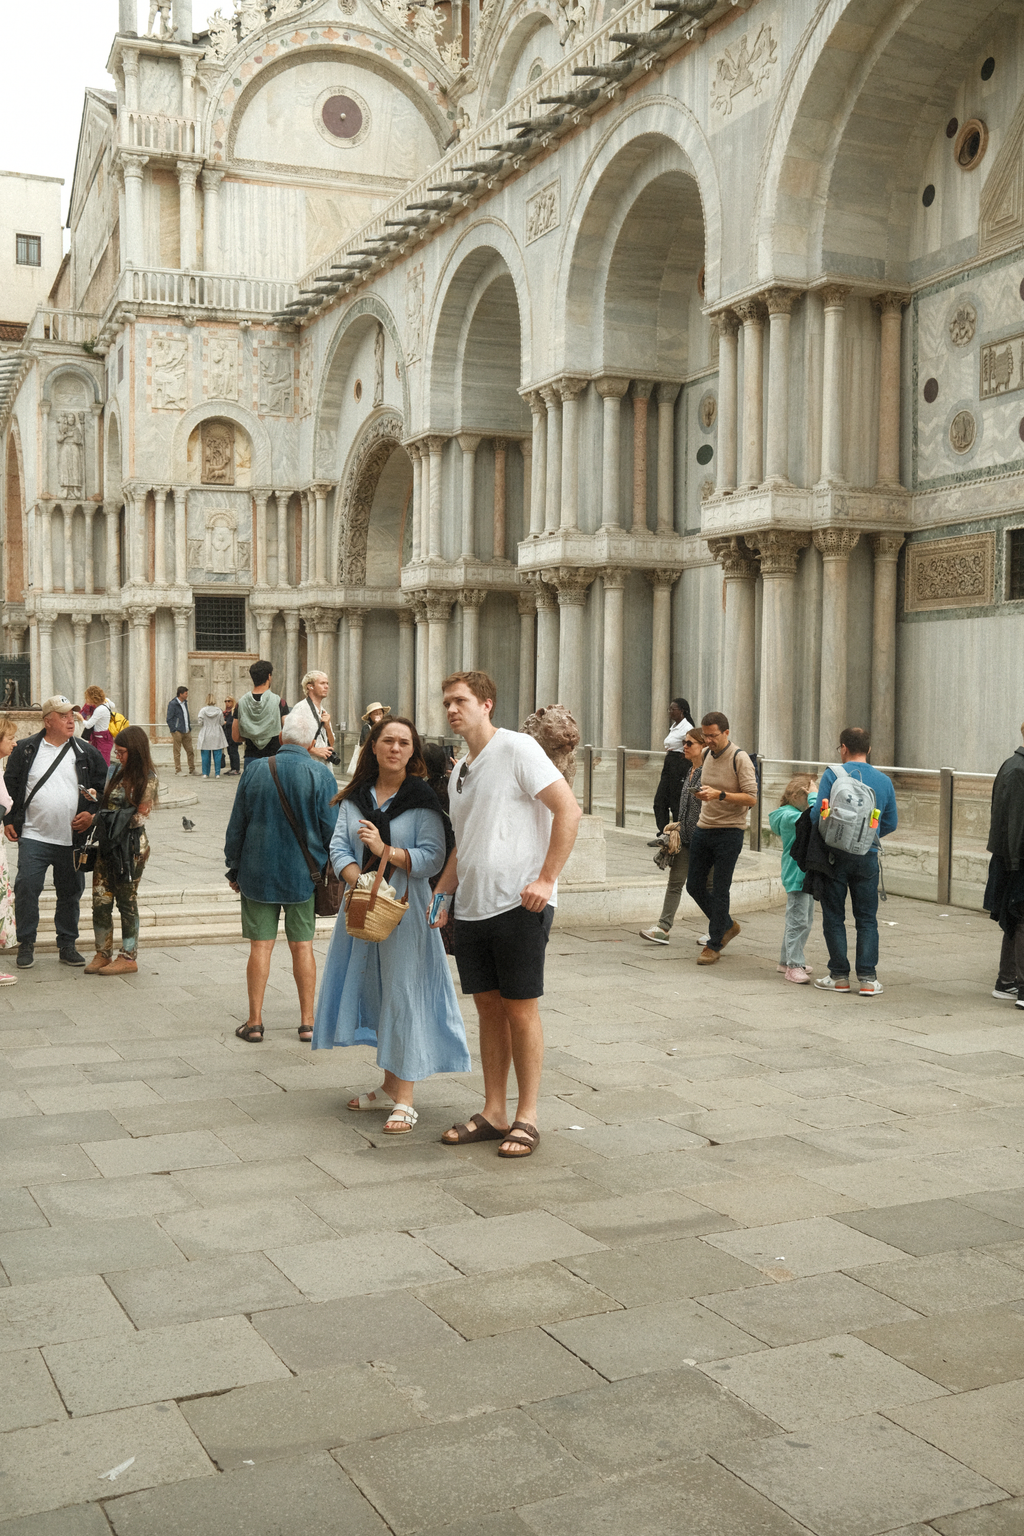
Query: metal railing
[202,290]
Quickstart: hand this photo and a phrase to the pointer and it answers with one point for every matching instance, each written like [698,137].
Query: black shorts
[504,954]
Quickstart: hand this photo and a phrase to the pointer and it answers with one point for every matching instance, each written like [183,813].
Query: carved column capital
[751,311]
[544,594]
[321,489]
[188,172]
[435,443]
[642,389]
[469,442]
[80,622]
[834,295]
[835,543]
[414,451]
[611,388]
[472,597]
[418,609]
[668,394]
[780,301]
[356,617]
[727,321]
[533,400]
[499,444]
[405,616]
[549,394]
[264,617]
[614,578]
[779,550]
[737,561]
[211,179]
[662,578]
[570,387]
[133,165]
[181,617]
[291,622]
[890,303]
[886,546]
[571,583]
[140,616]
[439,607]
[45,622]
[526,601]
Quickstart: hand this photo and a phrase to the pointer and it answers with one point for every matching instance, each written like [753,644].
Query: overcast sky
[52,54]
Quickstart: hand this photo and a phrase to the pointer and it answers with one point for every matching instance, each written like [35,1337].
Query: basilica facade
[622,350]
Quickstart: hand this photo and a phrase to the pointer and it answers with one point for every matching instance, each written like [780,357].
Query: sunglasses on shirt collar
[462,773]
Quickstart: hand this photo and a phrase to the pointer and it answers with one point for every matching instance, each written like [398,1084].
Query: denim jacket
[261,850]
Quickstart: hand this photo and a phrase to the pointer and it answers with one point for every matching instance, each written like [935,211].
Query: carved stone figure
[169,359]
[542,211]
[223,35]
[222,374]
[707,412]
[218,453]
[746,69]
[220,543]
[572,21]
[414,300]
[427,26]
[249,15]
[70,454]
[557,732]
[963,325]
[378,366]
[160,9]
[963,429]
[276,369]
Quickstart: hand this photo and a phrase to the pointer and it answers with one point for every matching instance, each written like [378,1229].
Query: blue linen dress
[397,995]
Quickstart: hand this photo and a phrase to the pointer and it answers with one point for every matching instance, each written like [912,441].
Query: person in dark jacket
[48,775]
[180,726]
[1004,893]
[266,864]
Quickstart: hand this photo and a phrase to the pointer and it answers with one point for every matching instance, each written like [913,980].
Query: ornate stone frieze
[168,365]
[951,573]
[835,543]
[221,367]
[779,550]
[276,380]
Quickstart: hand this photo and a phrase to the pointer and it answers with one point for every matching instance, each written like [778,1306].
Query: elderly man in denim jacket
[267,866]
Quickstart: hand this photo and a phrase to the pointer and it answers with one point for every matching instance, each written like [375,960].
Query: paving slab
[715,1504]
[858,1478]
[330,1333]
[642,1136]
[810,1247]
[660,1215]
[400,1206]
[19,1210]
[1007,1204]
[86,1247]
[95,1375]
[163,1119]
[639,1340]
[306,1497]
[158,1154]
[505,1370]
[77,1520]
[317,1411]
[359,1265]
[452,1472]
[545,1188]
[933,1226]
[795,1311]
[946,1282]
[960,1350]
[756,1202]
[208,1230]
[148,1194]
[77,1452]
[1005,1519]
[238,1183]
[508,1299]
[503,1241]
[29,1395]
[80,1307]
[650,1272]
[218,1287]
[984,1429]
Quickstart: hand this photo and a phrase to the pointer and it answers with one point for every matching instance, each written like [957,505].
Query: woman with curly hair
[124,848]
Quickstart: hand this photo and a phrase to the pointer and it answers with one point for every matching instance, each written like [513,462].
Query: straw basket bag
[370,916]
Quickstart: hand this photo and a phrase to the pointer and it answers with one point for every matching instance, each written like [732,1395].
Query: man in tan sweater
[728,790]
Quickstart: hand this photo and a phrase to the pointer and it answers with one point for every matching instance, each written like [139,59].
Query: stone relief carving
[414,300]
[222,367]
[276,371]
[223,36]
[543,211]
[70,454]
[378,366]
[195,552]
[244,551]
[221,541]
[218,446]
[963,429]
[249,15]
[1001,374]
[379,442]
[963,325]
[326,450]
[740,75]
[169,356]
[572,21]
[950,573]
[159,19]
[305,379]
[707,411]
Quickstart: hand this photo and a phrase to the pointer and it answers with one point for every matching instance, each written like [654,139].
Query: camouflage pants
[105,891]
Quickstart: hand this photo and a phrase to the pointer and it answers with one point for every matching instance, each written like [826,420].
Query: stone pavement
[765,1273]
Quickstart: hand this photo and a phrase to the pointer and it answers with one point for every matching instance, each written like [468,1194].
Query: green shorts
[260,919]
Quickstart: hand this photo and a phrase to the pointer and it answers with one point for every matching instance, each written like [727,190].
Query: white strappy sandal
[406,1118]
[376,1098]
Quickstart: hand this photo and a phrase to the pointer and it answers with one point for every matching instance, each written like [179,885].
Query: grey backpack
[849,826]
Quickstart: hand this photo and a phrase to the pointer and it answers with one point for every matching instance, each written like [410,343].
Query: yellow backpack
[118,722]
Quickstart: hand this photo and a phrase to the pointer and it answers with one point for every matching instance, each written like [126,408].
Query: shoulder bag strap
[311,863]
[61,755]
[321,729]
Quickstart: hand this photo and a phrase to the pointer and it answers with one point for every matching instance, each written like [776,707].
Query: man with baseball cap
[47,775]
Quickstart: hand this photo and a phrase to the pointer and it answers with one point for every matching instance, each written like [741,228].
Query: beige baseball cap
[57,705]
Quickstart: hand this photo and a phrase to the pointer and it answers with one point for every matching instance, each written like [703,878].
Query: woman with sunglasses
[686,818]
[397,995]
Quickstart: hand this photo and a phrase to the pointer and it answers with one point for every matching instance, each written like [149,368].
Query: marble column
[180,536]
[779,551]
[259,554]
[886,550]
[469,442]
[356,619]
[212,255]
[662,583]
[182,617]
[526,449]
[419,470]
[160,495]
[835,545]
[667,396]
[538,465]
[435,447]
[571,583]
[264,618]
[291,654]
[833,393]
[751,312]
[282,499]
[422,638]
[323,573]
[89,514]
[138,542]
[138,666]
[406,665]
[69,549]
[308,618]
[439,606]
[500,445]
[611,391]
[569,390]
[890,306]
[739,577]
[303,572]
[133,239]
[728,371]
[553,476]
[44,438]
[526,600]
[780,303]
[115,685]
[547,646]
[614,652]
[129,20]
[34,672]
[471,600]
[80,625]
[188,173]
[44,521]
[44,627]
[641,394]
[112,579]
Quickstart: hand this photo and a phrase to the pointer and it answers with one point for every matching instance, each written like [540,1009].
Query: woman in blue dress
[397,995]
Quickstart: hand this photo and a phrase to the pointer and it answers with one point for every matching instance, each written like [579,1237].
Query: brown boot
[120,967]
[99,962]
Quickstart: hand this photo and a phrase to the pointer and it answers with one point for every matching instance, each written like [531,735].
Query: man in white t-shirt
[515,821]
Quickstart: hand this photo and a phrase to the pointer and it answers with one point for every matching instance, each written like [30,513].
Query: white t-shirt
[49,815]
[501,829]
[99,720]
[677,735]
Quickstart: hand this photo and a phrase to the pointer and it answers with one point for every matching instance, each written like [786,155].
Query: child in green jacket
[801,791]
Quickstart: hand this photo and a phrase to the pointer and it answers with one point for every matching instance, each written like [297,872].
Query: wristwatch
[721,794]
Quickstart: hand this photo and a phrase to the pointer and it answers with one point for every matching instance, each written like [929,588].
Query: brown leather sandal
[251,1033]
[529,1139]
[477,1129]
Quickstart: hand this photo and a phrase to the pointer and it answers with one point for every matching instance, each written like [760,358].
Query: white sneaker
[869,987]
[834,983]
[656,935]
[704,939]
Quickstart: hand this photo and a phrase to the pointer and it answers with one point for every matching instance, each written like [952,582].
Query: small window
[1015,564]
[29,250]
[220,623]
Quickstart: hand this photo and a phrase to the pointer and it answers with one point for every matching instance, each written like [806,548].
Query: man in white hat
[47,775]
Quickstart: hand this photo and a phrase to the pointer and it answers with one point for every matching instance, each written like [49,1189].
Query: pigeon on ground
[188,825]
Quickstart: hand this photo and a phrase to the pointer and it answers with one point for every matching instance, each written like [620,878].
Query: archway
[374,502]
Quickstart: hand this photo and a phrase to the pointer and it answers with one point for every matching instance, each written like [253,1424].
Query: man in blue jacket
[856,873]
[267,866]
[180,727]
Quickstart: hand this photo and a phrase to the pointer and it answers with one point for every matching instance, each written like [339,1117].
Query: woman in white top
[97,712]
[211,736]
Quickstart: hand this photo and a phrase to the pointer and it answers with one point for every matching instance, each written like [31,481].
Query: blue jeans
[799,921]
[858,874]
[34,859]
[714,849]
[217,754]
